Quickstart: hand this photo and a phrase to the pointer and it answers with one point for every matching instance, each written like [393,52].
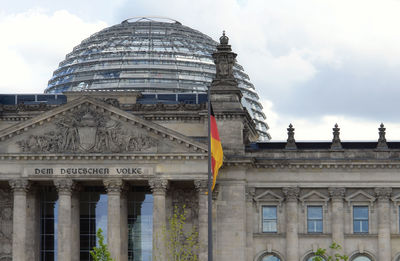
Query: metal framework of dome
[152,55]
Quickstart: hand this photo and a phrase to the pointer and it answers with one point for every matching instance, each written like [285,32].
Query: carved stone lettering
[87,130]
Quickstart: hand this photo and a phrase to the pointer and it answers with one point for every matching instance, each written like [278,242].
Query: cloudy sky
[313,62]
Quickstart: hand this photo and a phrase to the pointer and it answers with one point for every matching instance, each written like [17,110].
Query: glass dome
[152,55]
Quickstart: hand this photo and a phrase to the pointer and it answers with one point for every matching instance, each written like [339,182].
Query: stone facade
[92,140]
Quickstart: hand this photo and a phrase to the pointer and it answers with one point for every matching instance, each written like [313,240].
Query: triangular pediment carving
[314,196]
[360,196]
[268,196]
[87,125]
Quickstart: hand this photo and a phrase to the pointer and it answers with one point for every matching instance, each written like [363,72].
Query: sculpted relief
[6,213]
[88,131]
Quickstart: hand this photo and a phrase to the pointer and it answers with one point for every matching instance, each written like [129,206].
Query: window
[314,219]
[360,219]
[361,258]
[269,219]
[311,258]
[93,215]
[48,223]
[140,224]
[271,258]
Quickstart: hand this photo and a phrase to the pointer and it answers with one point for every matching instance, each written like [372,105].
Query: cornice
[85,157]
[308,164]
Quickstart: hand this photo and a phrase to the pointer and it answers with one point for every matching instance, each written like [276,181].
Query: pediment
[87,125]
[268,196]
[314,196]
[360,196]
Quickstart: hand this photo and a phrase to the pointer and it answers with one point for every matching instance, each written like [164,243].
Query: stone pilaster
[292,238]
[384,244]
[114,188]
[64,244]
[20,188]
[337,218]
[159,189]
[202,187]
[250,193]
[33,225]
[231,224]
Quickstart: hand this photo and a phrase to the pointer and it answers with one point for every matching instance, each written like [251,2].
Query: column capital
[383,193]
[291,193]
[250,193]
[201,185]
[158,186]
[114,185]
[64,186]
[337,193]
[19,185]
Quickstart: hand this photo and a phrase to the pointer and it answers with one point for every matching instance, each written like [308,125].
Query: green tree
[100,252]
[179,244]
[335,257]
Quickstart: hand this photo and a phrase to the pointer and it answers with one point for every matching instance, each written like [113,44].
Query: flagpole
[210,181]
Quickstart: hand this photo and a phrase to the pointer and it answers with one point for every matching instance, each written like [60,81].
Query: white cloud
[32,45]
[340,57]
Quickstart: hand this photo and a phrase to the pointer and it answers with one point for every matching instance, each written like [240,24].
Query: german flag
[216,147]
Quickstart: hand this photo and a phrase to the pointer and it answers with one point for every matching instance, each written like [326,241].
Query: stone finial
[224,60]
[382,138]
[158,186]
[291,143]
[64,186]
[291,193]
[383,193]
[223,40]
[337,193]
[19,185]
[336,144]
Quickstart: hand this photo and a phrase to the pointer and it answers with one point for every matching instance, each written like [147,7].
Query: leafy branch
[321,252]
[100,253]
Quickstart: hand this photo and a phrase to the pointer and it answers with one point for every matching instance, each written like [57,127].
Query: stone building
[75,162]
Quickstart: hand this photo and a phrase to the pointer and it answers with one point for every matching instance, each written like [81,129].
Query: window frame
[360,220]
[322,219]
[276,219]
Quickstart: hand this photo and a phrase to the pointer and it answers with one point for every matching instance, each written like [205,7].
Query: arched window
[361,258]
[311,258]
[271,258]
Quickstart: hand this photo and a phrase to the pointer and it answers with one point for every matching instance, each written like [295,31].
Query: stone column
[64,244]
[114,189]
[292,238]
[75,230]
[20,187]
[202,188]
[337,218]
[384,244]
[159,188]
[250,193]
[33,225]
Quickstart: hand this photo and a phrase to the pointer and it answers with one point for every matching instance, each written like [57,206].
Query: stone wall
[6,212]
